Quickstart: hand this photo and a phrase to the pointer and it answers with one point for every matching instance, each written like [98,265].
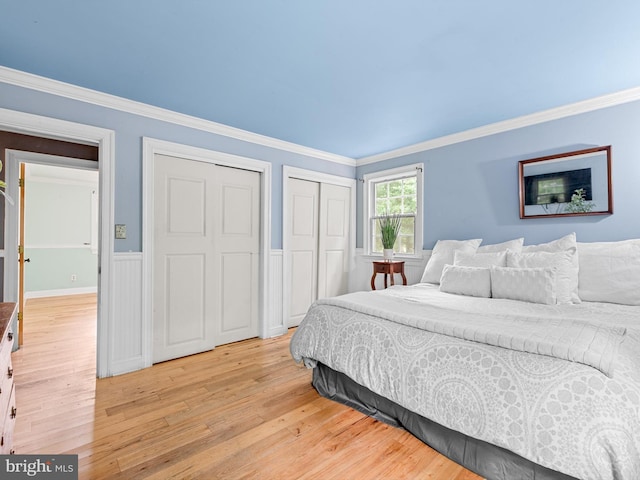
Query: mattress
[550,405]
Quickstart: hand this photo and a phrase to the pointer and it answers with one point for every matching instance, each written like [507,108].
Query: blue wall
[129,131]
[471,188]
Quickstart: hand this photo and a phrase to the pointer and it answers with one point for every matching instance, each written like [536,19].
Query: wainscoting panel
[127,334]
[275,325]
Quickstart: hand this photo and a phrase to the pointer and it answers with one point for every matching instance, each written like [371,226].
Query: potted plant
[389,230]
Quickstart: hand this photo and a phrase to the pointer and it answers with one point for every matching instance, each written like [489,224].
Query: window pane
[395,188]
[395,205]
[410,205]
[407,226]
[381,207]
[410,186]
[381,190]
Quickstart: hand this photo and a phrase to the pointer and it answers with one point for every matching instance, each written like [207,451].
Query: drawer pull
[10,336]
[2,441]
[14,412]
[9,372]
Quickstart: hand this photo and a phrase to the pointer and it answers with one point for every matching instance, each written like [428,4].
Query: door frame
[104,139]
[14,159]
[318,177]
[150,148]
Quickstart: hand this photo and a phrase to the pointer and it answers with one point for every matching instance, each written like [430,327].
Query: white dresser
[7,391]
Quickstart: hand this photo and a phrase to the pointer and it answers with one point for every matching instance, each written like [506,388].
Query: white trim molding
[74,92]
[152,147]
[37,125]
[597,103]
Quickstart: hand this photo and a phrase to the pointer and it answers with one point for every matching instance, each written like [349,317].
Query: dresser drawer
[6,380]
[6,438]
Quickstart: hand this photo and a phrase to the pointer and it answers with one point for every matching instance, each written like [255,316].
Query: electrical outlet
[74,277]
[121,231]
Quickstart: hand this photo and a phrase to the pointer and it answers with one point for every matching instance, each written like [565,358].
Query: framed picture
[573,183]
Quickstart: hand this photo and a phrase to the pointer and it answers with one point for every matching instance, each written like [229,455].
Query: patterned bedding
[562,414]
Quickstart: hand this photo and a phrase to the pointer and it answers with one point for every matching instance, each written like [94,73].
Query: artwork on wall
[572,183]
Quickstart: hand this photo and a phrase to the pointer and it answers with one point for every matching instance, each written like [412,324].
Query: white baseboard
[60,292]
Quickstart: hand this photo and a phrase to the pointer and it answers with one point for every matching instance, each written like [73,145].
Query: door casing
[37,125]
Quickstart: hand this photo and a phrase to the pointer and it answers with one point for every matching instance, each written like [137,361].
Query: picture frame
[576,183]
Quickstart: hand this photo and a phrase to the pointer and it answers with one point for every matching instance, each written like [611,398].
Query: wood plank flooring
[241,411]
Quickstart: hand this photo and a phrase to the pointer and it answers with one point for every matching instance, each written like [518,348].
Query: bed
[533,375]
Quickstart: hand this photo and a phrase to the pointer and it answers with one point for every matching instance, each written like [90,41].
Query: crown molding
[74,92]
[597,103]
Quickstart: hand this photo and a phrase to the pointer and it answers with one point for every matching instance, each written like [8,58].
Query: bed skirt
[489,461]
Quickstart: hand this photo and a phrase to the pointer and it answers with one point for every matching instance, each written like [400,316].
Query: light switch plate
[121,231]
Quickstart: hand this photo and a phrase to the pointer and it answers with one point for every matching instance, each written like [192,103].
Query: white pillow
[442,254]
[568,242]
[566,279]
[485,260]
[535,285]
[514,245]
[563,243]
[610,272]
[472,281]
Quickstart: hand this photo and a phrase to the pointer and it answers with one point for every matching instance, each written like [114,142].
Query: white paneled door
[319,243]
[205,256]
[304,197]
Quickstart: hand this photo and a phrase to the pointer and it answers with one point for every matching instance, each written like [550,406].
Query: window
[399,192]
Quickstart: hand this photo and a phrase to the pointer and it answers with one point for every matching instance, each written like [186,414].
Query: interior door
[21,259]
[333,240]
[303,226]
[183,257]
[237,254]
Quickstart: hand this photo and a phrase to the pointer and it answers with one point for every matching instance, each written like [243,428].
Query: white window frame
[370,179]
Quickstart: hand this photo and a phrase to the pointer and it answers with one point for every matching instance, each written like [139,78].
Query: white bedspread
[562,414]
[577,334]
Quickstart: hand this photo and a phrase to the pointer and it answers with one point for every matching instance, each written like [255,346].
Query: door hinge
[21,182]
[20,316]
[20,249]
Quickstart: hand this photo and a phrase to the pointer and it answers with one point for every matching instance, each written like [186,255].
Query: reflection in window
[551,190]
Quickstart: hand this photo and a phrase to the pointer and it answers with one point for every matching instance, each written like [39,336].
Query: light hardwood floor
[241,411]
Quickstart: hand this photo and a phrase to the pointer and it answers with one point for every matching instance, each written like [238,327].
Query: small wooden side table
[388,268]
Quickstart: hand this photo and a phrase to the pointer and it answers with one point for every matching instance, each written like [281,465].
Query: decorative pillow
[610,272]
[472,281]
[514,245]
[485,260]
[562,261]
[442,254]
[568,242]
[535,285]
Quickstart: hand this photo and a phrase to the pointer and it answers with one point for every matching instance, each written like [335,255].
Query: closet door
[319,229]
[237,254]
[183,257]
[303,225]
[333,240]
[205,256]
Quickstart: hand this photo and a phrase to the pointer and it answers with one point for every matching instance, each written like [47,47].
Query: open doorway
[54,224]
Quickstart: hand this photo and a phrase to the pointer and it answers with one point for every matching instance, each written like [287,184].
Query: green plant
[578,203]
[389,229]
